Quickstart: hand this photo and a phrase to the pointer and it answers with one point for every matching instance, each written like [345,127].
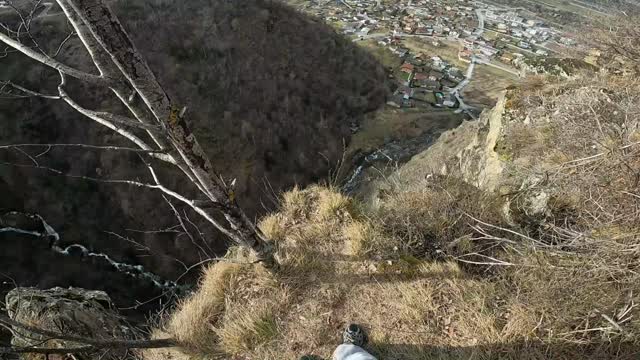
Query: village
[481,33]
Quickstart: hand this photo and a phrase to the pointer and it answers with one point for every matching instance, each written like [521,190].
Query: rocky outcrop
[72,311]
[466,152]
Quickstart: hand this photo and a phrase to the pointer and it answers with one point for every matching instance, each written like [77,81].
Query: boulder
[71,311]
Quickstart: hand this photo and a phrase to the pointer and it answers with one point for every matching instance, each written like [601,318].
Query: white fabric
[351,352]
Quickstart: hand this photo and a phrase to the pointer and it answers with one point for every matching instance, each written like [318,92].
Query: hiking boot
[355,335]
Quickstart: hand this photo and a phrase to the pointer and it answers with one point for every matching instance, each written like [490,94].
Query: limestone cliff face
[466,152]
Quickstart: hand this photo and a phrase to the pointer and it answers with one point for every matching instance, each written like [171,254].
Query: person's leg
[351,352]
[353,338]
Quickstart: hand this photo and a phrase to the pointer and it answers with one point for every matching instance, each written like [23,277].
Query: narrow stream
[392,154]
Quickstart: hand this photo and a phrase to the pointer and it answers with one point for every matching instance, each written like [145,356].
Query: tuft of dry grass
[361,237]
[193,323]
[244,330]
[330,203]
[163,353]
[273,227]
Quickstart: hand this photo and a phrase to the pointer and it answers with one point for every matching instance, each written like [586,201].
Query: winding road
[472,66]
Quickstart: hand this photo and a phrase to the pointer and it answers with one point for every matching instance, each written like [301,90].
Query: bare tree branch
[31,93]
[84,146]
[95,116]
[106,116]
[55,64]
[69,37]
[127,74]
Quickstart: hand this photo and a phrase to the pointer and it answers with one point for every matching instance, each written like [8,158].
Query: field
[487,84]
[448,50]
[383,55]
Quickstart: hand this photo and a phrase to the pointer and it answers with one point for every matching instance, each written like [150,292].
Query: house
[405,91]
[488,51]
[408,29]
[407,68]
[435,75]
[427,84]
[424,31]
[524,45]
[567,41]
[449,102]
[420,76]
[455,75]
[468,42]
[465,55]
[415,60]
[402,52]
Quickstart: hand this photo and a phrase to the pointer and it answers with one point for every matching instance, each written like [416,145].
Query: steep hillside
[513,237]
[272,94]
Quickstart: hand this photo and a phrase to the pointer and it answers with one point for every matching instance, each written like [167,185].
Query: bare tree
[164,124]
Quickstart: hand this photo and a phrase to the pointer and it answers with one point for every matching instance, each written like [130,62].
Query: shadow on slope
[271,93]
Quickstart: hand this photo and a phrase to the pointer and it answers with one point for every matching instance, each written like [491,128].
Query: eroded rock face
[466,152]
[71,311]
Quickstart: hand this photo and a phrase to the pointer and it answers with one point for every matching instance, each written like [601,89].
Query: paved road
[456,91]
[480,15]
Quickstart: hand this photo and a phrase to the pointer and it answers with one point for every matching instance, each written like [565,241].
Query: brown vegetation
[545,267]
[538,303]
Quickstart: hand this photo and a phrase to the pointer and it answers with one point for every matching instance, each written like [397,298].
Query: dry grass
[414,308]
[192,325]
[585,153]
[426,221]
[443,270]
